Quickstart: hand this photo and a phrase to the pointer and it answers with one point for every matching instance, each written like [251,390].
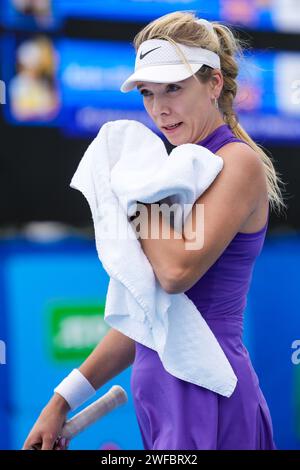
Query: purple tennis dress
[174,414]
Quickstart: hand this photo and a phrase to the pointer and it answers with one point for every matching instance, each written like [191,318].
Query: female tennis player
[186,72]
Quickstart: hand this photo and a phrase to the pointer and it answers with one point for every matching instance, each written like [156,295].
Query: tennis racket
[115,397]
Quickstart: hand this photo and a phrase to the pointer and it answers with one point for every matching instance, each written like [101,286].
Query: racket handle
[115,397]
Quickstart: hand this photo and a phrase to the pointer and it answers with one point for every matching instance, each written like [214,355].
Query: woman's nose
[159,106]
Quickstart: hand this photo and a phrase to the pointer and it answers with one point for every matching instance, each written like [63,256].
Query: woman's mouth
[172,127]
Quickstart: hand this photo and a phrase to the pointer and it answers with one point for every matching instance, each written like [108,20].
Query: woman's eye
[170,88]
[145,93]
[173,88]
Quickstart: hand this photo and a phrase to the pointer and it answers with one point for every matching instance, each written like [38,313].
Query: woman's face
[189,104]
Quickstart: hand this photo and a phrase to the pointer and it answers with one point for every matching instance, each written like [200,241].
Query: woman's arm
[160,241]
[112,355]
[226,205]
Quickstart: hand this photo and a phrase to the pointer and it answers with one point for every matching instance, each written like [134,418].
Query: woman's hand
[45,434]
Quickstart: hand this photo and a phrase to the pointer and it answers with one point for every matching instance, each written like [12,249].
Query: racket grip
[115,397]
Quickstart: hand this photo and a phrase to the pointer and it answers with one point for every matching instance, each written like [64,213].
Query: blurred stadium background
[62,63]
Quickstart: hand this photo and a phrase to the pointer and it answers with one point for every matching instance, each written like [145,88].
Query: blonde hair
[181,27]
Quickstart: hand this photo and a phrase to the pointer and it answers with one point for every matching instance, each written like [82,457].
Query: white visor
[158,60]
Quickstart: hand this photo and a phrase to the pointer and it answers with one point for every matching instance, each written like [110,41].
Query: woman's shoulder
[238,147]
[240,153]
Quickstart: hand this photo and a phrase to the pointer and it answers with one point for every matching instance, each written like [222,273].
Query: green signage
[76,330]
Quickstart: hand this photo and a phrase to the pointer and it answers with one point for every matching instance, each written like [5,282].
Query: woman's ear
[217,82]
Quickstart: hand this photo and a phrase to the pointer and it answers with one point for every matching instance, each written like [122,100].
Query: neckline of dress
[223,129]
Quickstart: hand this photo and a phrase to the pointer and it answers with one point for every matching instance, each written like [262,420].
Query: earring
[216,103]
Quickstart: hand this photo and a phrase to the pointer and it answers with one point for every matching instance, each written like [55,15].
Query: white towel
[124,164]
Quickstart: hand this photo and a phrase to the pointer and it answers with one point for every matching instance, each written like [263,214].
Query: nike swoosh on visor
[148,52]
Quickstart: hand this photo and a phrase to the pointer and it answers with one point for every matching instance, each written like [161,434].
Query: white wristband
[75,389]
